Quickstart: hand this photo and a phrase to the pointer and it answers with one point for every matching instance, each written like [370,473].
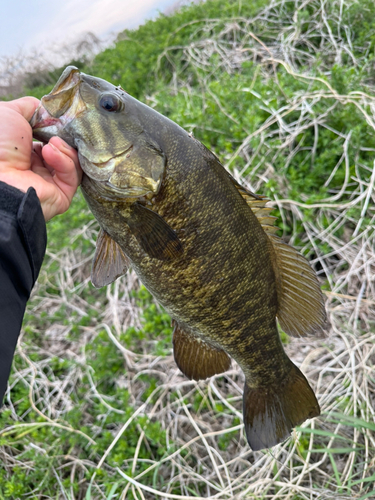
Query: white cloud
[49,22]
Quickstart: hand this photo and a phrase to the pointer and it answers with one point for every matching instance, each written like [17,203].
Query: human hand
[52,170]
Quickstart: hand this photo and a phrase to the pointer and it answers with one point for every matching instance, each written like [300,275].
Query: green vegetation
[282,92]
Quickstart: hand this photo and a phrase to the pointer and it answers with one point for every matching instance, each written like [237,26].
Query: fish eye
[111,102]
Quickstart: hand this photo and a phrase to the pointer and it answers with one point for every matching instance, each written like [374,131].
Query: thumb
[25,106]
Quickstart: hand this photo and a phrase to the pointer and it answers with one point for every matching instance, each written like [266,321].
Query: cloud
[45,23]
[97,16]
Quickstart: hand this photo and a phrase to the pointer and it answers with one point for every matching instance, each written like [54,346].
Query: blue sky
[29,24]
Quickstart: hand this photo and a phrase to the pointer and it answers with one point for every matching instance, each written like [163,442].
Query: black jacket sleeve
[23,240]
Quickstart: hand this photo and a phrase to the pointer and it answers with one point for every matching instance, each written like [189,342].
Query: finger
[42,168]
[36,158]
[66,176]
[43,173]
[62,146]
[25,106]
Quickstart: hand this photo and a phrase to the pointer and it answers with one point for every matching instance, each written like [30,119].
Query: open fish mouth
[57,109]
[42,119]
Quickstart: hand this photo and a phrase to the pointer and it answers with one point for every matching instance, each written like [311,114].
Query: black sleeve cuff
[25,208]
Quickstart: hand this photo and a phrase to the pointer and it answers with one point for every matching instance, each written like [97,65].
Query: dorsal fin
[257,203]
[301,308]
[109,261]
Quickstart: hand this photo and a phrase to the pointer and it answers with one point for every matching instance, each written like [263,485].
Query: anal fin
[109,262]
[196,358]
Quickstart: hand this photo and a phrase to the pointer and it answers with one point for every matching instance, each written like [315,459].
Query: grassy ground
[283,93]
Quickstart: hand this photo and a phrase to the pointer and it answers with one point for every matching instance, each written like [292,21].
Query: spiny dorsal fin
[301,308]
[195,358]
[109,262]
[257,203]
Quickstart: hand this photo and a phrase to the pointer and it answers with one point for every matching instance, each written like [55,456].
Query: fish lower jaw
[46,126]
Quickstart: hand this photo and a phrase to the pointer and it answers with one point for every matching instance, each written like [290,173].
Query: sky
[26,25]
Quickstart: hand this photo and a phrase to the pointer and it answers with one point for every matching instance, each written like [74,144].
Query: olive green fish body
[202,245]
[222,286]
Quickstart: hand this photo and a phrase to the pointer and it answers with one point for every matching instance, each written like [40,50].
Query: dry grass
[330,457]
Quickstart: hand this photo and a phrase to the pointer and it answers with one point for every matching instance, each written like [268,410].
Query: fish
[200,242]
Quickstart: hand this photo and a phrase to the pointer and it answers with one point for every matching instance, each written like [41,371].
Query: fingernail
[66,145]
[54,147]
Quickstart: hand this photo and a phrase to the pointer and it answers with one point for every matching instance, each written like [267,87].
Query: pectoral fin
[301,308]
[195,358]
[109,262]
[154,235]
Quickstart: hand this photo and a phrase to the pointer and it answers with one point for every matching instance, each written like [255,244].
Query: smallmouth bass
[203,245]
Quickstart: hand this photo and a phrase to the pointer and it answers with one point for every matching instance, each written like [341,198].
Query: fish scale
[201,244]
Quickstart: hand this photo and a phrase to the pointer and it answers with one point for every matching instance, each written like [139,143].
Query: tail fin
[270,413]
